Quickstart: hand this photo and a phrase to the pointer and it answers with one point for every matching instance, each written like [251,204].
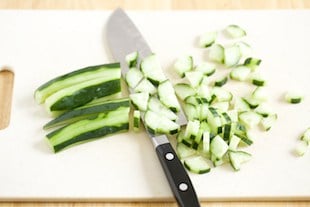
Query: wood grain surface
[6,78]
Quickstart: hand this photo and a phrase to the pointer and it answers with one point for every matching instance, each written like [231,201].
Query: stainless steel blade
[124,38]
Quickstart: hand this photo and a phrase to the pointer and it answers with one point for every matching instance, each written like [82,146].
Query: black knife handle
[178,178]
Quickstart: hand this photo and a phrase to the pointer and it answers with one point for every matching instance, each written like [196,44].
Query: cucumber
[184,151]
[306,136]
[145,86]
[252,63]
[167,96]
[220,82]
[183,90]
[216,53]
[100,125]
[84,92]
[268,122]
[156,106]
[183,64]
[232,55]
[73,78]
[240,73]
[250,119]
[132,59]
[235,31]
[237,158]
[87,111]
[133,77]
[194,78]
[257,79]
[197,164]
[140,100]
[207,39]
[206,68]
[157,124]
[151,68]
[218,147]
[136,120]
[293,97]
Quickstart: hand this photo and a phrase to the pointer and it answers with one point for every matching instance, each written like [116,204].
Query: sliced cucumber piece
[132,59]
[184,151]
[194,78]
[183,64]
[252,63]
[268,122]
[74,78]
[206,68]
[136,120]
[293,97]
[232,55]
[257,79]
[240,73]
[155,105]
[260,93]
[206,142]
[167,96]
[157,124]
[100,125]
[306,136]
[264,110]
[216,53]
[222,106]
[235,31]
[221,81]
[86,111]
[301,148]
[183,90]
[237,158]
[234,142]
[207,39]
[192,129]
[151,68]
[191,111]
[214,121]
[250,119]
[252,102]
[221,94]
[204,92]
[197,165]
[241,105]
[245,48]
[145,86]
[140,100]
[218,147]
[133,77]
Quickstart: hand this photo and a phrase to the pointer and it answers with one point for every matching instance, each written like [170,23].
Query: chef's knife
[123,38]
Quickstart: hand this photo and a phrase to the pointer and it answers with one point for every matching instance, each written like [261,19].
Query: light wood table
[6,78]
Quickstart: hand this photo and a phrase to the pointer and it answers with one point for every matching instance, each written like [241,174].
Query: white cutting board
[40,45]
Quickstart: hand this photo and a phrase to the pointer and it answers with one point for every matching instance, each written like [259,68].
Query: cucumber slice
[206,68]
[235,31]
[221,81]
[100,125]
[198,165]
[306,136]
[221,94]
[151,68]
[140,100]
[191,111]
[214,121]
[218,147]
[157,124]
[257,79]
[183,90]
[216,53]
[264,110]
[237,158]
[145,86]
[207,39]
[240,73]
[252,63]
[268,122]
[136,120]
[133,77]
[222,106]
[260,94]
[232,56]
[206,142]
[301,148]
[132,59]
[293,97]
[245,48]
[183,64]
[167,96]
[192,129]
[250,119]
[194,78]
[87,111]
[155,105]
[204,92]
[241,105]
[73,78]
[234,142]
[184,151]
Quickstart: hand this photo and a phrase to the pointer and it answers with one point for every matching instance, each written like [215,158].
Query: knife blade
[123,37]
